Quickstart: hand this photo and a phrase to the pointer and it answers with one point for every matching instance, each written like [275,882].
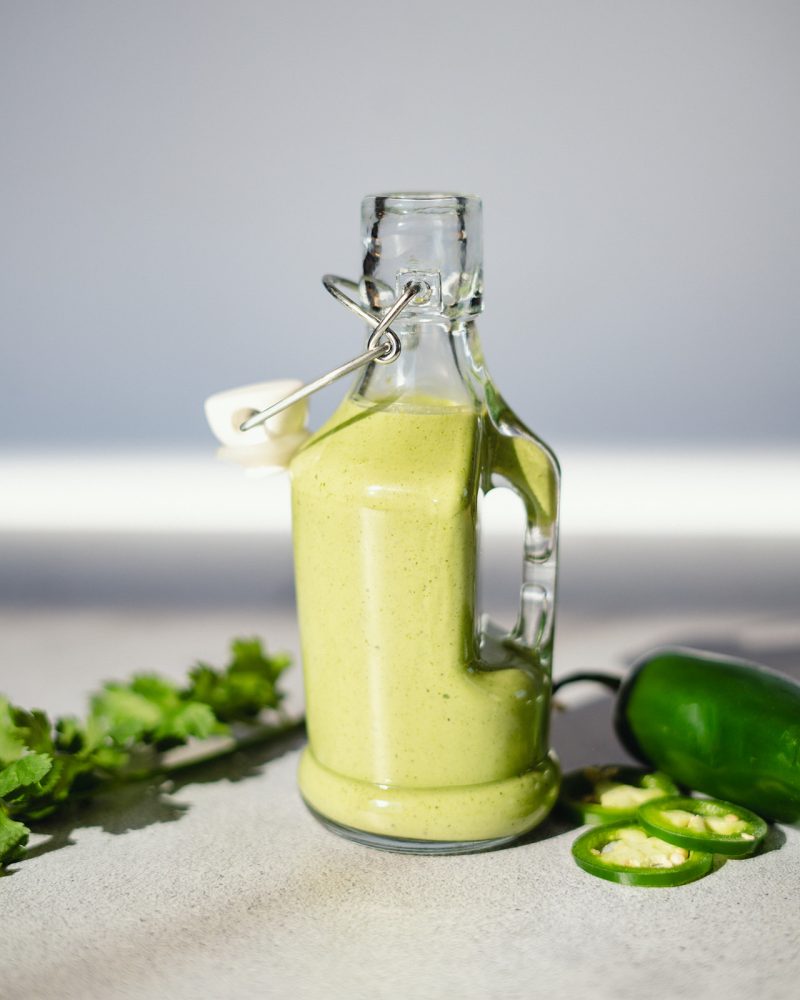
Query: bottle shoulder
[430,447]
[390,453]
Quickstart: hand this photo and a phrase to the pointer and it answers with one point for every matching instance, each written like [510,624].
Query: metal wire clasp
[383,345]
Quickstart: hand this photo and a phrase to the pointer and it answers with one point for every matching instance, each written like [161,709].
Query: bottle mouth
[401,202]
[430,237]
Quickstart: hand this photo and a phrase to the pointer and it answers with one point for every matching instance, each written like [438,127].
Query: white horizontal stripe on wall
[605,492]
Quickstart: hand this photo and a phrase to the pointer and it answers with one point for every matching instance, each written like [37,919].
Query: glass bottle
[428,726]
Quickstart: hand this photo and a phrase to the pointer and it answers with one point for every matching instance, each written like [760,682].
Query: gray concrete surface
[222,885]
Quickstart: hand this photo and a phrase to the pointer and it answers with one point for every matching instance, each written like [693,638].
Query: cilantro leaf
[151,710]
[33,729]
[245,687]
[124,714]
[69,776]
[12,746]
[71,736]
[191,719]
[27,770]
[13,838]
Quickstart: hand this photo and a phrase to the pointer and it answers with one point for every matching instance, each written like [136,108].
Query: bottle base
[455,819]
[403,845]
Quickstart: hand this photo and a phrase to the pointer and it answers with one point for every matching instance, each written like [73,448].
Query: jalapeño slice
[704,825]
[625,853]
[611,792]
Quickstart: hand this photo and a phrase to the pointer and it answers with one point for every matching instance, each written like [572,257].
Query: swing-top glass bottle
[428,726]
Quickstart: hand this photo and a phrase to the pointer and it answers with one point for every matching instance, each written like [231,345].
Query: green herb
[24,771]
[13,838]
[247,685]
[45,764]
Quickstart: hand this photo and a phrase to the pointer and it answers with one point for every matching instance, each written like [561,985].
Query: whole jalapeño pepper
[721,726]
[715,724]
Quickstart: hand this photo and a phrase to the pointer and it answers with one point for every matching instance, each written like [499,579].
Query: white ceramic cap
[271,444]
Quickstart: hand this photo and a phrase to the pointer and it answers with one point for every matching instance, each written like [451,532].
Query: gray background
[175,177]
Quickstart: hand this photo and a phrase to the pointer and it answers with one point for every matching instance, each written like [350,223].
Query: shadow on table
[581,735]
[142,803]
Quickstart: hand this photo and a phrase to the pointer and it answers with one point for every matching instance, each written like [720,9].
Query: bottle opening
[423,201]
[424,232]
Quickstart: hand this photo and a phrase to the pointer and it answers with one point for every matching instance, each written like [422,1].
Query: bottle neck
[436,366]
[433,240]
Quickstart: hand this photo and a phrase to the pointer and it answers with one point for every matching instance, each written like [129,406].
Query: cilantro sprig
[45,764]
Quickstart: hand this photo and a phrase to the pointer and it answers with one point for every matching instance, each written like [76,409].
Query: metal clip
[383,345]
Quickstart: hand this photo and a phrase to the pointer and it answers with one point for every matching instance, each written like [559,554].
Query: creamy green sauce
[407,737]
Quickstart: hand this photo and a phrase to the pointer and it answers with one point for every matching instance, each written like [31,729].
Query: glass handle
[519,461]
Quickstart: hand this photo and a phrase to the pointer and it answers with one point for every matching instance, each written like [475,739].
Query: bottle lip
[427,201]
[434,236]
